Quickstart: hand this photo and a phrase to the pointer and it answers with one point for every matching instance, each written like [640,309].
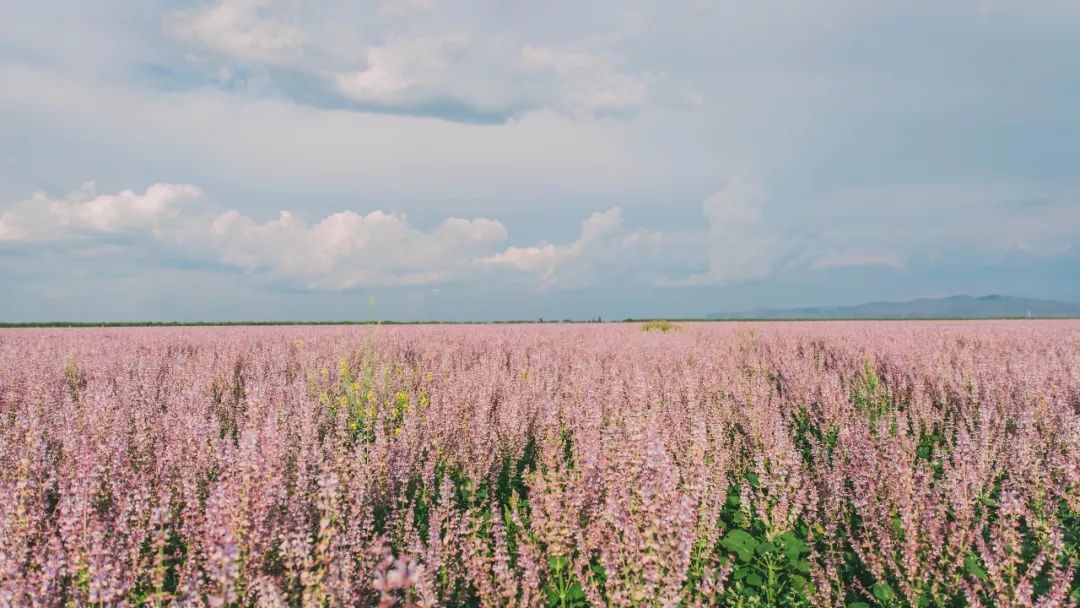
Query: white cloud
[237,29]
[408,70]
[545,259]
[588,81]
[349,249]
[745,244]
[741,244]
[239,140]
[602,240]
[343,250]
[7,232]
[485,75]
[413,56]
[43,219]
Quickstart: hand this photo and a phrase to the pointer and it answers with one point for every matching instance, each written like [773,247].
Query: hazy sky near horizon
[261,159]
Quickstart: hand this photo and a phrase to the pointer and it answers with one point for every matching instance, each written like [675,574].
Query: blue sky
[261,159]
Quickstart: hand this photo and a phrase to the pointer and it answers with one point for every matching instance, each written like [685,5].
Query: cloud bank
[344,250]
[450,71]
[348,249]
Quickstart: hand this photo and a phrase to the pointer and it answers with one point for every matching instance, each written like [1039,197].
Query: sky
[452,160]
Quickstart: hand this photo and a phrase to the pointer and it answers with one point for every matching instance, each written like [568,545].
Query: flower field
[846,464]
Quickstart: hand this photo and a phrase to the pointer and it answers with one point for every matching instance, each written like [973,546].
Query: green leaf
[883,592]
[973,567]
[859,605]
[897,525]
[755,580]
[557,563]
[752,478]
[741,520]
[802,566]
[740,543]
[765,548]
[793,545]
[575,592]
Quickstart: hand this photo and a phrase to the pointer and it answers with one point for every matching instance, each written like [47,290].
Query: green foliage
[869,394]
[807,434]
[768,568]
[228,394]
[973,567]
[167,560]
[931,447]
[563,590]
[368,397]
[883,593]
[1070,523]
[357,396]
[74,378]
[661,326]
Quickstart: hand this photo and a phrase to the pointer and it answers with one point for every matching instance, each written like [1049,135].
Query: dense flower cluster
[787,464]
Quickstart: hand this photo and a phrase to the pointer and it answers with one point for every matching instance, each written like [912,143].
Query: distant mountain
[955,307]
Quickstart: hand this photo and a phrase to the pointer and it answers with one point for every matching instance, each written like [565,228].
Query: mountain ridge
[991,306]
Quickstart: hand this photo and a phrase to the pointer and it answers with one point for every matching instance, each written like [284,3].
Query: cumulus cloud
[238,29]
[343,250]
[602,240]
[741,245]
[348,249]
[41,219]
[485,75]
[351,249]
[418,70]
